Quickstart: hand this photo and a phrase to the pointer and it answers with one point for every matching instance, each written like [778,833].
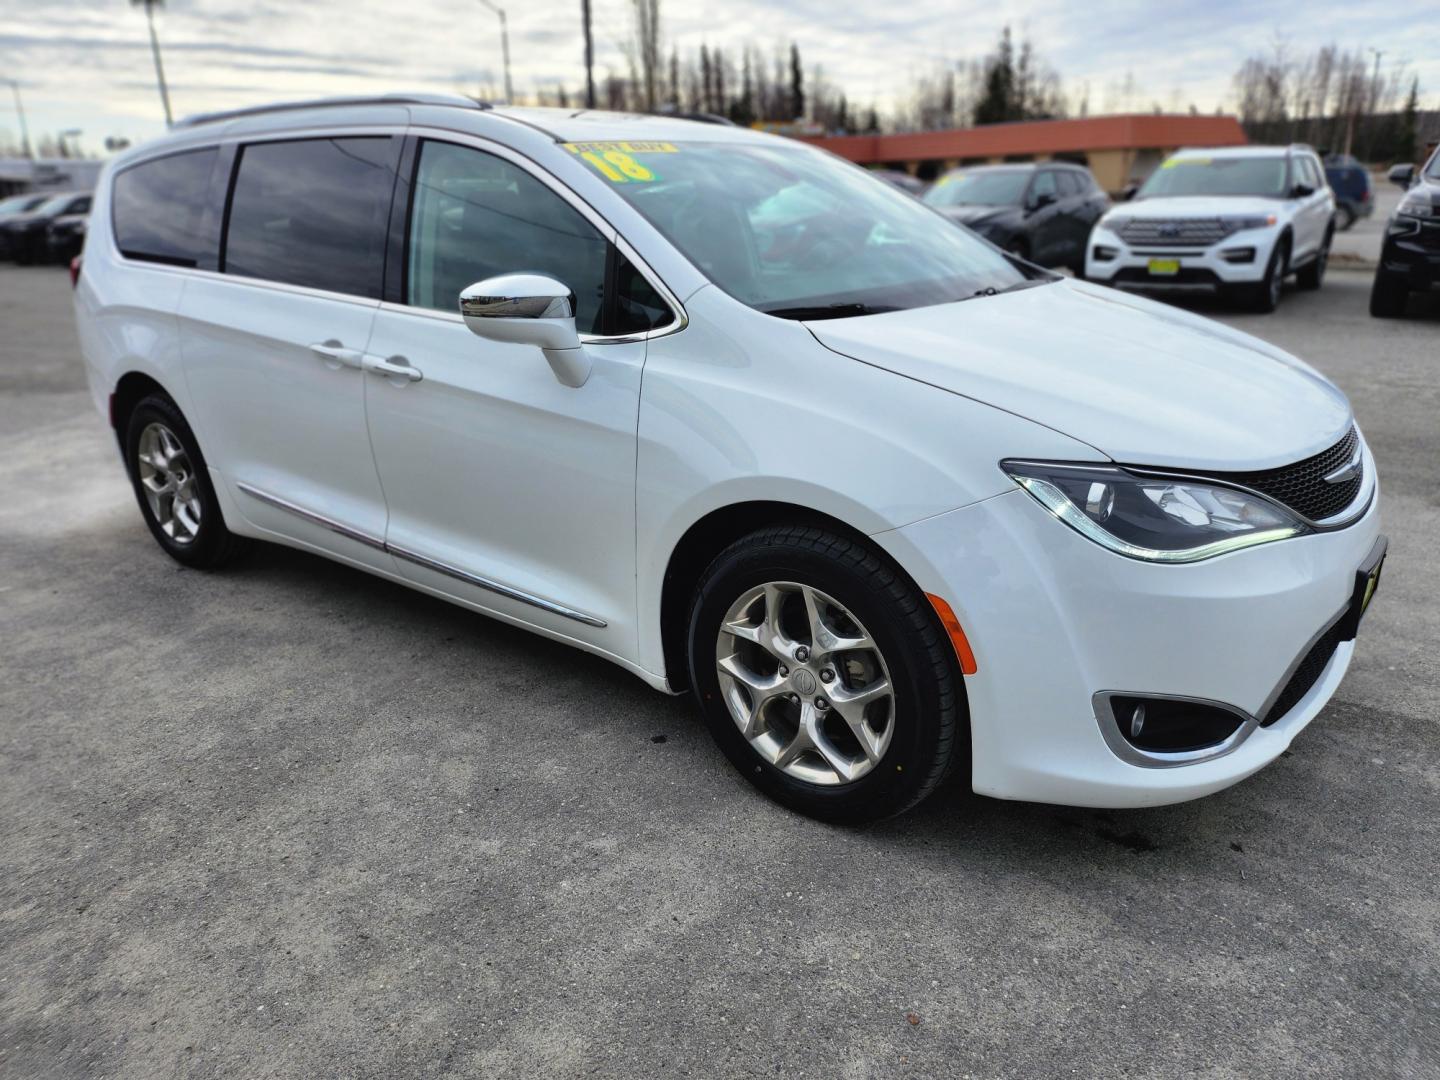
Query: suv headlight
[1417,204]
[1239,222]
[1157,519]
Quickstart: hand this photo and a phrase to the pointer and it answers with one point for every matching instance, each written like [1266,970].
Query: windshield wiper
[827,311]
[1027,283]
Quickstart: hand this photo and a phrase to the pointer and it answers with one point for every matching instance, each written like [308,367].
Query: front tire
[824,675]
[172,486]
[1265,297]
[1388,296]
[1313,276]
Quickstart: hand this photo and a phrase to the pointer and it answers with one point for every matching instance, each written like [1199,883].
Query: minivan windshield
[988,187]
[1262,176]
[796,232]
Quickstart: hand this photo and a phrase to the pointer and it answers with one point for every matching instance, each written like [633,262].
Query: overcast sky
[86,63]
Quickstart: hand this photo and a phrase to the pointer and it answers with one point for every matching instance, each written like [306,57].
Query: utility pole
[20,112]
[149,6]
[589,57]
[504,48]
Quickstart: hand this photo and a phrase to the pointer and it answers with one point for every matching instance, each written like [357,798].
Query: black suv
[23,237]
[1041,212]
[1410,259]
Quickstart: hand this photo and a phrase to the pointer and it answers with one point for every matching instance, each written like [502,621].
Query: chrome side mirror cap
[529,309]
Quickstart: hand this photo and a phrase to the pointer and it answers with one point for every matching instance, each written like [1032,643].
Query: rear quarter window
[313,212]
[158,210]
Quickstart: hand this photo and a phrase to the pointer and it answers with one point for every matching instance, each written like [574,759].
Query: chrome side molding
[488,584]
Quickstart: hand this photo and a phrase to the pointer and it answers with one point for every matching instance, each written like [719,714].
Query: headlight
[1157,519]
[1417,204]
[1238,223]
[1114,222]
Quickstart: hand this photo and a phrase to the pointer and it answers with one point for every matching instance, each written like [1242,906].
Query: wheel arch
[132,388]
[704,540]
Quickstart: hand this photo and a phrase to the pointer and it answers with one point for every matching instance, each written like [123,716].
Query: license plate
[1367,581]
[1164,267]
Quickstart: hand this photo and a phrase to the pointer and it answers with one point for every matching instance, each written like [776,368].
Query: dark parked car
[1354,194]
[20,204]
[911,185]
[1410,258]
[1041,212]
[23,237]
[65,237]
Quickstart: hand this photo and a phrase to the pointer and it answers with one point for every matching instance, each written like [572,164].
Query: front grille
[1305,676]
[1187,275]
[1173,232]
[1302,486]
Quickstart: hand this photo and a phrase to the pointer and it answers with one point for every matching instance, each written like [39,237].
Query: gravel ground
[292,821]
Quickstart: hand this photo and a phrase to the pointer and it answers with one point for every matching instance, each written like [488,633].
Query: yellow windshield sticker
[583,148]
[1185,161]
[617,166]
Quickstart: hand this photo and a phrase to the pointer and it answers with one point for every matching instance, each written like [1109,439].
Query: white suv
[1239,220]
[731,413]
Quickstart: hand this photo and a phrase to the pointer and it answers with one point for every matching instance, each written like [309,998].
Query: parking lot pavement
[292,821]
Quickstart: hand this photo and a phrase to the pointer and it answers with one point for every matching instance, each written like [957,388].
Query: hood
[1199,206]
[973,214]
[1143,383]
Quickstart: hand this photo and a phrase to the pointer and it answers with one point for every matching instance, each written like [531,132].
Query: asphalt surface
[292,821]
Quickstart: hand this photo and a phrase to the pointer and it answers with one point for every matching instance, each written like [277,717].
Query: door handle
[396,367]
[333,353]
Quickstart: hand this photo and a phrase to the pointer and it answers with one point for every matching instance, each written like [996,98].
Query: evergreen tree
[797,83]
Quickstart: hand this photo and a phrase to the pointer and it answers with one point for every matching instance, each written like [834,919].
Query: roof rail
[454,100]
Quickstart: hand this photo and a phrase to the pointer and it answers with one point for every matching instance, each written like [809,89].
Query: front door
[272,344]
[506,489]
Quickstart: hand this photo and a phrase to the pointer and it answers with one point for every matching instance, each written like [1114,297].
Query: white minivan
[745,420]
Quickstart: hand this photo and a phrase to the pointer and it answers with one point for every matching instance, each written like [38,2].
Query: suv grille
[1302,486]
[1173,232]
[1306,675]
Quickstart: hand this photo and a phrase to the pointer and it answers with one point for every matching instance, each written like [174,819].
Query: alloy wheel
[805,683]
[169,483]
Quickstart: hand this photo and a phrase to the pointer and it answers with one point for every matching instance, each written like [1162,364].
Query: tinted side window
[158,209]
[638,307]
[1069,183]
[1044,184]
[476,215]
[313,213]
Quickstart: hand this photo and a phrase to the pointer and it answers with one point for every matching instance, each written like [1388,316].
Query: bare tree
[647,50]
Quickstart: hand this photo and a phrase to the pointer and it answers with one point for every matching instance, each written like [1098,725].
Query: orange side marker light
[963,652]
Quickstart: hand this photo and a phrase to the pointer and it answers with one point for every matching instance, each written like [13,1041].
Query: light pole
[589,55]
[20,112]
[504,48]
[71,133]
[149,6]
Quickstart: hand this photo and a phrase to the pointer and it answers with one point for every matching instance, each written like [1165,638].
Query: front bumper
[1055,619]
[1414,256]
[1204,269]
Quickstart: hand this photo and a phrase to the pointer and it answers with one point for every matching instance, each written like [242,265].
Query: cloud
[86,63]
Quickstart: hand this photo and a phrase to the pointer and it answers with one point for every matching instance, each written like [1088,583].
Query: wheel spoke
[851,704]
[804,738]
[761,689]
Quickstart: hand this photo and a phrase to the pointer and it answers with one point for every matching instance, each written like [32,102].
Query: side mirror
[1041,200]
[1402,175]
[529,309]
[1129,191]
[1301,191]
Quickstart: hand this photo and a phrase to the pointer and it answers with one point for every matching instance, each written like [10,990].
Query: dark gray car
[1042,211]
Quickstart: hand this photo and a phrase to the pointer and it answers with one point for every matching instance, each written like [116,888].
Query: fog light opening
[1164,725]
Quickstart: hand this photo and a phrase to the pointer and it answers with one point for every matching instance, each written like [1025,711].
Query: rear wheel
[1388,296]
[824,675]
[172,486]
[1346,215]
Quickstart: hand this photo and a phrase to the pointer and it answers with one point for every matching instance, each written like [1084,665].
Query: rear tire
[1346,214]
[172,486]
[1388,296]
[772,678]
